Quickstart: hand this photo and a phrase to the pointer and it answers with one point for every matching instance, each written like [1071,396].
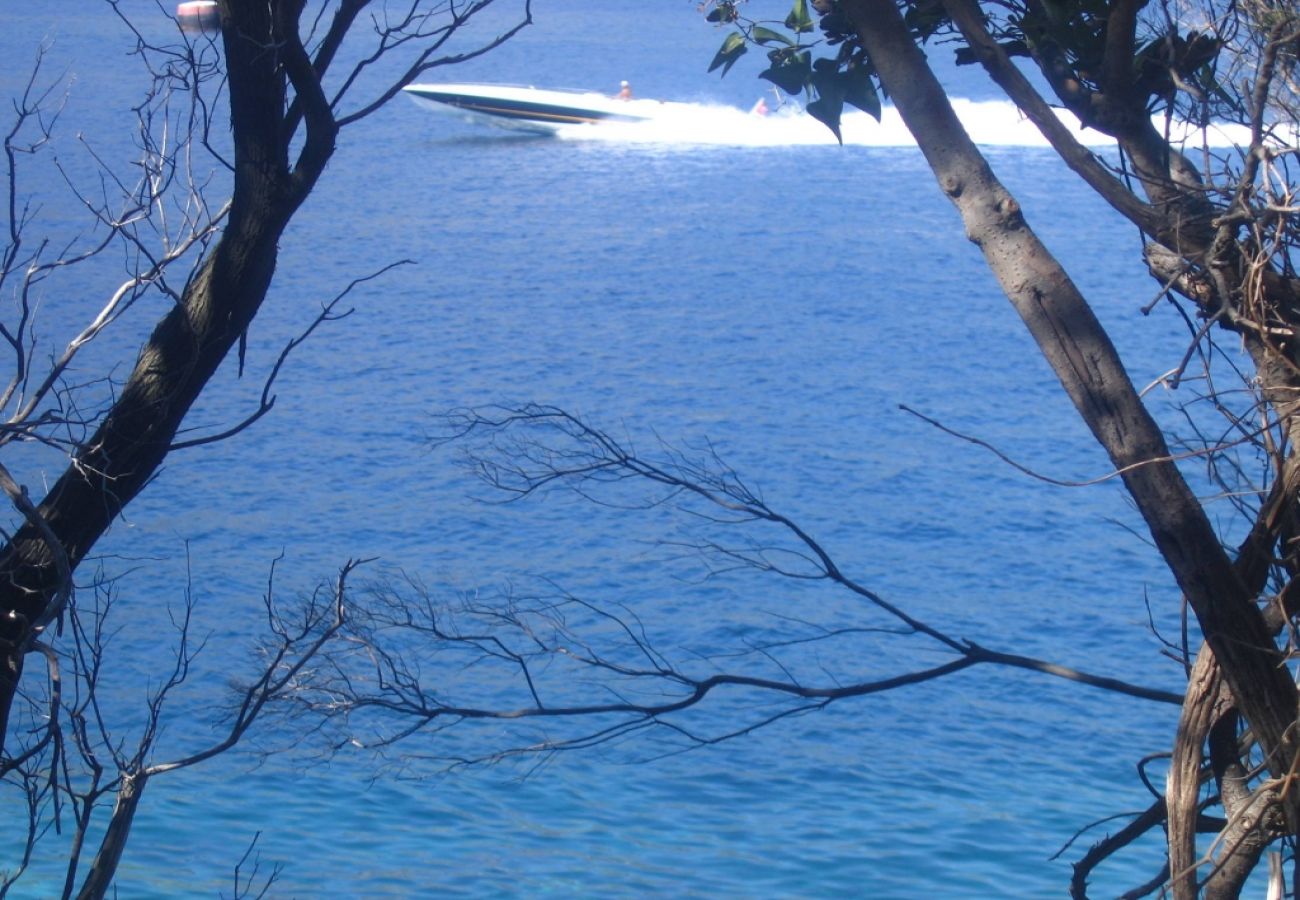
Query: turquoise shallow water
[781,301]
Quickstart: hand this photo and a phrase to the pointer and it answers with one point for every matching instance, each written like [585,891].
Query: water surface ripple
[780,301]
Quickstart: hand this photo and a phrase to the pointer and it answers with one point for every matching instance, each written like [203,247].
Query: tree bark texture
[104,867]
[1183,783]
[1199,252]
[191,340]
[1088,367]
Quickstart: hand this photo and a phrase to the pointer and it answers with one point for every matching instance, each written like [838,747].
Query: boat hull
[527,108]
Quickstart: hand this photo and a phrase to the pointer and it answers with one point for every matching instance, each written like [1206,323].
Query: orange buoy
[199,15]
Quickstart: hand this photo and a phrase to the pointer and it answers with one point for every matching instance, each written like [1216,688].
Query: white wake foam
[996,123]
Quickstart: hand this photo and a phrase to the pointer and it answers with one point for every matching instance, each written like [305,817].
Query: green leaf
[725,11]
[850,85]
[965,56]
[791,72]
[859,91]
[767,36]
[827,111]
[924,18]
[732,49]
[826,78]
[799,21]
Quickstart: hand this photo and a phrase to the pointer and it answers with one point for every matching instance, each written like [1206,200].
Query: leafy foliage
[732,49]
[799,21]
[815,51]
[791,70]
[846,77]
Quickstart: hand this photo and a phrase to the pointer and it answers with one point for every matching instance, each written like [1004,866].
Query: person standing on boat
[624,91]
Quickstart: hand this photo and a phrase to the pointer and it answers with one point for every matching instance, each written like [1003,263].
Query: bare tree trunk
[1088,367]
[188,344]
[104,868]
[1182,784]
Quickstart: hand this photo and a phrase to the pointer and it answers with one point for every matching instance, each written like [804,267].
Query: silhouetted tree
[234,130]
[1219,231]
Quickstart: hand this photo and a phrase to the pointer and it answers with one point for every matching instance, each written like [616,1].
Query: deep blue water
[778,300]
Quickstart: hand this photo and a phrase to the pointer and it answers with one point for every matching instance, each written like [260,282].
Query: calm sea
[777,295]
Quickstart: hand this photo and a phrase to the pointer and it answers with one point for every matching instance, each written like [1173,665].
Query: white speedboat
[533,109]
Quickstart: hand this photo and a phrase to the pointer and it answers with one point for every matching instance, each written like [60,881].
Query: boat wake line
[994,123]
[591,116]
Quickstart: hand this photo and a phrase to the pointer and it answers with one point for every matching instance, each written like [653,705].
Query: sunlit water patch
[777,296]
